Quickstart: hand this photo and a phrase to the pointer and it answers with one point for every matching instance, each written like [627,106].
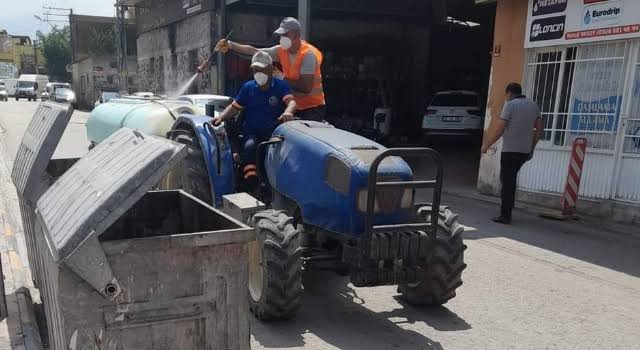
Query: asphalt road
[15,117]
[534,285]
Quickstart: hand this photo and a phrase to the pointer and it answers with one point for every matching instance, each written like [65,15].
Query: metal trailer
[34,171]
[125,268]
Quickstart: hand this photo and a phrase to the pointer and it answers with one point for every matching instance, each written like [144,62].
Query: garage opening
[458,79]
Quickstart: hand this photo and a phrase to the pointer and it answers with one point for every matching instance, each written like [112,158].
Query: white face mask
[285,42]
[261,78]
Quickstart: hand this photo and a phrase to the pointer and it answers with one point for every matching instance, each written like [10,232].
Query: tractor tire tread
[282,291]
[195,177]
[442,272]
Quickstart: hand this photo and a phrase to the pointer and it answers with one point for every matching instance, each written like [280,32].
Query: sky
[16,16]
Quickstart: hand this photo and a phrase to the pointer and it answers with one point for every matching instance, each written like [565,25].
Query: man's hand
[531,154]
[223,46]
[285,117]
[484,149]
[216,121]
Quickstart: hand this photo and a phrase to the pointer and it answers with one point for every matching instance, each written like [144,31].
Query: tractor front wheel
[442,271]
[275,267]
[192,175]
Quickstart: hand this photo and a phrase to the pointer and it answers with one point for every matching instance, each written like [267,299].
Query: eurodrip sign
[597,14]
[565,22]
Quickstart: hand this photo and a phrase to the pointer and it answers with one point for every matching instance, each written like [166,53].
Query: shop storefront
[582,66]
[586,81]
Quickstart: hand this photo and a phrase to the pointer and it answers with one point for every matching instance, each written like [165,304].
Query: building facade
[96,57]
[171,41]
[580,61]
[19,55]
[360,41]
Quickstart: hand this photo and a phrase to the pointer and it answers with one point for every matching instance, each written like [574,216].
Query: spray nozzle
[204,65]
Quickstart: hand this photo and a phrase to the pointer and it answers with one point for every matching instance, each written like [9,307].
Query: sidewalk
[588,222]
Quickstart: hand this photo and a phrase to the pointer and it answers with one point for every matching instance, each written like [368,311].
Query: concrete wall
[162,68]
[88,84]
[507,66]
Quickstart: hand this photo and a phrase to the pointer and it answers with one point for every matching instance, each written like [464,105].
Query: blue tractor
[336,199]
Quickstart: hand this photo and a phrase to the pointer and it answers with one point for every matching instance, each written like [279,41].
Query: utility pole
[121,41]
[304,16]
[35,54]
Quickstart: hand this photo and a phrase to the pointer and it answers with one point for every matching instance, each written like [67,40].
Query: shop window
[632,130]
[579,91]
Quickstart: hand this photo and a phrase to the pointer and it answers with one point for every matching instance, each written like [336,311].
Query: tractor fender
[216,149]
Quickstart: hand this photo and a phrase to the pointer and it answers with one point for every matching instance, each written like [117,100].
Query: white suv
[454,113]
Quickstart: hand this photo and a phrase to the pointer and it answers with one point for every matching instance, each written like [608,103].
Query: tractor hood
[325,171]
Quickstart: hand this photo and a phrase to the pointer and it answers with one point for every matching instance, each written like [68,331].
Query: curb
[609,226]
[30,330]
[21,308]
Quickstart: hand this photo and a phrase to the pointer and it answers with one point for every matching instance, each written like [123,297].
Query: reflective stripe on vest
[292,71]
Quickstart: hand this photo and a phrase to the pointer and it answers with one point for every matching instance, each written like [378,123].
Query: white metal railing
[631,143]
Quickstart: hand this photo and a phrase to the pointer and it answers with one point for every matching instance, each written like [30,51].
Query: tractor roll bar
[373,185]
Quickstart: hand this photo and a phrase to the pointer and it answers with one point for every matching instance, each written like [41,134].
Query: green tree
[102,40]
[56,49]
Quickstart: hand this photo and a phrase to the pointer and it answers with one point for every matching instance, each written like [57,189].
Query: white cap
[261,59]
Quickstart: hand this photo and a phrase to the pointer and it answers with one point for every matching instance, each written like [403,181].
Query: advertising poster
[597,98]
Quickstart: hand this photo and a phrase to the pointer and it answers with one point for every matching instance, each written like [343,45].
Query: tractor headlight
[388,200]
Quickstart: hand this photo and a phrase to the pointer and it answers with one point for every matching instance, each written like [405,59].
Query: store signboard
[566,22]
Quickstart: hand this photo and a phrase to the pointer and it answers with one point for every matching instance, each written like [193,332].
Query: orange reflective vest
[291,71]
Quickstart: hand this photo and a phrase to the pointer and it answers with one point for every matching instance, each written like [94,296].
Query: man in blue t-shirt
[266,102]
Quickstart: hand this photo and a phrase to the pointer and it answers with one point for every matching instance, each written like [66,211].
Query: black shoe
[502,220]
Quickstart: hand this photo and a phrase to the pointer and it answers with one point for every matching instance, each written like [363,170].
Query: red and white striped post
[573,177]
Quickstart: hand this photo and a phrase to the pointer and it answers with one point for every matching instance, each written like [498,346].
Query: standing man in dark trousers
[520,126]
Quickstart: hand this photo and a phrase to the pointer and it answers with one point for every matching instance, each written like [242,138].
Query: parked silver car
[65,95]
[201,101]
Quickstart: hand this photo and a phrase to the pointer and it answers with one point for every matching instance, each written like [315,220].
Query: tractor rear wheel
[192,175]
[275,267]
[442,271]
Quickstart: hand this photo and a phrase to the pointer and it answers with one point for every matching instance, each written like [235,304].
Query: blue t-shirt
[262,108]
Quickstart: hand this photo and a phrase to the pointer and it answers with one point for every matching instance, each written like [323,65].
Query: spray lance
[206,63]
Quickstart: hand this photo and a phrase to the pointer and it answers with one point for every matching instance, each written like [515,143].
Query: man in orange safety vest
[300,63]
